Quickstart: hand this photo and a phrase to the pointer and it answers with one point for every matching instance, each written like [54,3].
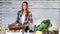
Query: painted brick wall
[40,10]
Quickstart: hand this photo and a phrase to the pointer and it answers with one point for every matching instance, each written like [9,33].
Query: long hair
[27,9]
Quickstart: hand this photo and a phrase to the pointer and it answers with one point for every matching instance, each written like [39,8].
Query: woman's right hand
[23,26]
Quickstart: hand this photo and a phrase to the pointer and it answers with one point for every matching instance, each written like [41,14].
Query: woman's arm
[30,20]
[13,24]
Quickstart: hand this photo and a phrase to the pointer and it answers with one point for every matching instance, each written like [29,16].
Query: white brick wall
[40,10]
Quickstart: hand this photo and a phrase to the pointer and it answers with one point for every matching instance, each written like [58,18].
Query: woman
[24,18]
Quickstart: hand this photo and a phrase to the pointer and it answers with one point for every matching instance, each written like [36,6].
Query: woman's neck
[24,9]
[24,12]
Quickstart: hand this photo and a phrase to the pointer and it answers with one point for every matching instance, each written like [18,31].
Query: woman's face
[24,6]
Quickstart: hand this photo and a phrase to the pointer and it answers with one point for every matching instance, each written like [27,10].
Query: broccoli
[45,24]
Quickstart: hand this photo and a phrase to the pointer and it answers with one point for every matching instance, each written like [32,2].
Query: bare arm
[13,24]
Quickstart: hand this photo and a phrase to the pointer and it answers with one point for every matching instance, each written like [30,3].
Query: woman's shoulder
[19,11]
[30,13]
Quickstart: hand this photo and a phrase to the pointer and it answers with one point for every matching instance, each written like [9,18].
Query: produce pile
[2,29]
[14,31]
[38,32]
[16,28]
[45,24]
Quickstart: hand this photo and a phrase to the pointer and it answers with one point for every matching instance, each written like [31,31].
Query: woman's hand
[30,24]
[23,27]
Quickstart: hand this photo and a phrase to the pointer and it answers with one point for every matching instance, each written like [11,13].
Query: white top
[23,18]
